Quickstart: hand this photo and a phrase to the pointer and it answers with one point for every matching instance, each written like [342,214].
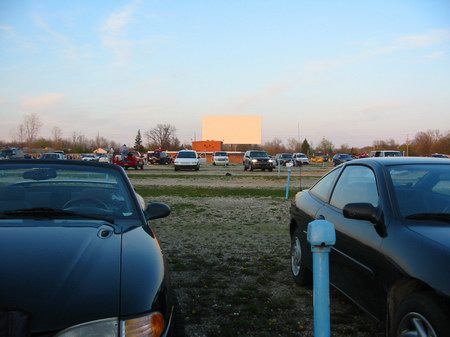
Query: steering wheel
[85,202]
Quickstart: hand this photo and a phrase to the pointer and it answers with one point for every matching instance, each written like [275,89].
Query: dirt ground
[230,263]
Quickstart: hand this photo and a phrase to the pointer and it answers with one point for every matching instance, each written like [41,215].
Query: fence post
[321,235]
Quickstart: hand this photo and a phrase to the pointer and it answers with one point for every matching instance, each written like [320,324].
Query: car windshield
[39,190]
[186,154]
[50,156]
[421,189]
[258,154]
[345,156]
[220,154]
[286,155]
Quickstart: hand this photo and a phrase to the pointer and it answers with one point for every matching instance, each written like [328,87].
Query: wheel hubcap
[415,325]
[296,256]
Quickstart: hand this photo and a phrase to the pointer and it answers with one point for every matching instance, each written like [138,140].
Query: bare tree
[162,135]
[423,142]
[31,125]
[274,146]
[57,136]
[326,146]
[294,145]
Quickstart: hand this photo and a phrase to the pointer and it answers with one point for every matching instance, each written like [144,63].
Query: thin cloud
[113,30]
[68,48]
[400,44]
[45,101]
[6,29]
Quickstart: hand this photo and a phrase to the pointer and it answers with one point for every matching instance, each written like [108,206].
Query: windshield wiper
[445,217]
[50,213]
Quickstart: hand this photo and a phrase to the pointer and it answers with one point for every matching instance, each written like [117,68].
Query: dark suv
[254,159]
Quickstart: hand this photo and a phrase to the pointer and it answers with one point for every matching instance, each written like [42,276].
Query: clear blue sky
[350,71]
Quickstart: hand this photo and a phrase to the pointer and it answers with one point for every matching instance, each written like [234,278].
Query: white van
[385,153]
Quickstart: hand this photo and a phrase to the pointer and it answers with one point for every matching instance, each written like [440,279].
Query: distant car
[341,158]
[392,250]
[187,160]
[89,157]
[11,153]
[52,156]
[132,160]
[256,159]
[80,256]
[159,157]
[102,158]
[439,155]
[385,153]
[220,158]
[300,159]
[283,158]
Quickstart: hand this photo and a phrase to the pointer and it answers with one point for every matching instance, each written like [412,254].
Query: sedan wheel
[300,274]
[421,315]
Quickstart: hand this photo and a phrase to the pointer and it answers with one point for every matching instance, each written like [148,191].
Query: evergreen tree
[138,142]
[305,147]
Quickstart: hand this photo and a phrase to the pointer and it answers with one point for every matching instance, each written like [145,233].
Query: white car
[300,158]
[220,158]
[187,160]
[89,157]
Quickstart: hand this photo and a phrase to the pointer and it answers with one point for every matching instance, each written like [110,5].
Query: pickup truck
[133,159]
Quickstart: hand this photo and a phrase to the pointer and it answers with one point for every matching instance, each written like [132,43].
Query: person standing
[124,151]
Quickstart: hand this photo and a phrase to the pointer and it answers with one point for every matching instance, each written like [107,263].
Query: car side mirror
[368,212]
[156,210]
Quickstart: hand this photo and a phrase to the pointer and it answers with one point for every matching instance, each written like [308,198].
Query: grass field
[227,243]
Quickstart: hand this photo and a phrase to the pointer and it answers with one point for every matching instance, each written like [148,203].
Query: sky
[352,72]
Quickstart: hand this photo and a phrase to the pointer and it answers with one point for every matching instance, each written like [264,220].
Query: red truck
[133,159]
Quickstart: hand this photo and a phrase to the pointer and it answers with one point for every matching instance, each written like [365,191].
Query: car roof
[387,161]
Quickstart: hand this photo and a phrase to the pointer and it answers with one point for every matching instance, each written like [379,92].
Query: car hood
[62,273]
[438,233]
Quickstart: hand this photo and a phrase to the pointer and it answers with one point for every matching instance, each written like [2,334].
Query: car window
[323,187]
[421,188]
[258,154]
[79,189]
[356,184]
[186,154]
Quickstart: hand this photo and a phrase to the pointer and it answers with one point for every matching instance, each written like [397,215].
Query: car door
[356,254]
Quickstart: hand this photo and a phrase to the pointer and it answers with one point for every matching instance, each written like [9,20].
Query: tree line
[164,136]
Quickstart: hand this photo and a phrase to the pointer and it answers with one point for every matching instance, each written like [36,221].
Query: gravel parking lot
[229,257]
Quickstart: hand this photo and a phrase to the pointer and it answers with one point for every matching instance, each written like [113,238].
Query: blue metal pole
[288,184]
[321,235]
[321,292]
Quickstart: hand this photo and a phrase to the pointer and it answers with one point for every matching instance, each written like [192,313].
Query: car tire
[251,167]
[423,311]
[197,168]
[176,168]
[270,170]
[245,167]
[300,273]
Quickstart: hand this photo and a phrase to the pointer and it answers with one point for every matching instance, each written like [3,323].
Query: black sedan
[341,158]
[392,251]
[78,254]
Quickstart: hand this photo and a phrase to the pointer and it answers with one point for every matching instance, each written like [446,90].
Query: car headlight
[102,327]
[270,160]
[254,160]
[151,325]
